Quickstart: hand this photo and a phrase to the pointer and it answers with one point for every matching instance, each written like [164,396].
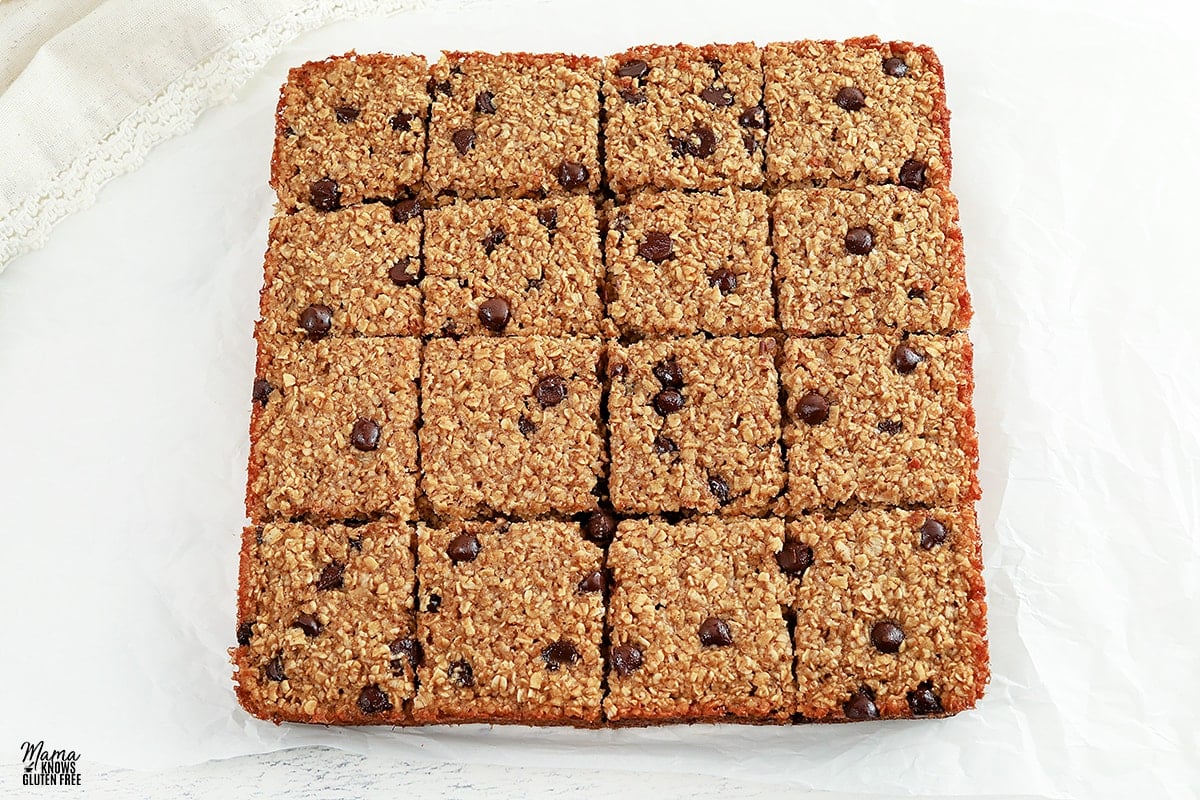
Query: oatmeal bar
[684,117]
[694,425]
[511,619]
[879,419]
[890,613]
[511,426]
[349,129]
[683,263]
[325,623]
[514,267]
[514,125]
[856,112]
[696,622]
[869,260]
[334,436]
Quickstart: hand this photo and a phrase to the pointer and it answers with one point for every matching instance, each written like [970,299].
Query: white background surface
[125,365]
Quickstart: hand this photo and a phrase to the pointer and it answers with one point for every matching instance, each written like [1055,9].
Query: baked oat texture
[616,391]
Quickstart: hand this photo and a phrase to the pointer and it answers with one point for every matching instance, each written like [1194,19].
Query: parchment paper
[126,363]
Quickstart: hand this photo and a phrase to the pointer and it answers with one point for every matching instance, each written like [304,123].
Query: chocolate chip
[559,654]
[550,391]
[656,247]
[705,144]
[262,391]
[794,559]
[433,603]
[916,293]
[572,175]
[464,547]
[309,624]
[626,659]
[600,527]
[859,241]
[905,359]
[464,140]
[850,98]
[345,114]
[668,401]
[887,636]
[406,647]
[813,408]
[714,632]
[719,488]
[753,117]
[274,670]
[325,195]
[373,700]
[912,174]
[484,104]
[525,425]
[669,373]
[749,143]
[715,64]
[494,314]
[331,576]
[592,582]
[717,96]
[490,241]
[896,67]
[664,445]
[633,98]
[434,87]
[923,701]
[365,435]
[402,121]
[933,533]
[244,632]
[617,369]
[548,217]
[406,210]
[861,705]
[460,673]
[400,275]
[317,319]
[633,69]
[724,280]
[890,426]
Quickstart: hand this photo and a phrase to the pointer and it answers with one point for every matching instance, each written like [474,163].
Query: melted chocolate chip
[433,603]
[668,401]
[905,359]
[887,636]
[244,631]
[493,238]
[656,247]
[617,369]
[664,445]
[406,210]
[705,144]
[714,632]
[933,533]
[400,275]
[325,195]
[626,659]
[548,217]
[592,582]
[365,434]
[813,408]
[669,373]
[717,96]
[331,576]
[550,391]
[439,87]
[262,391]
[861,705]
[462,548]
[895,67]
[753,117]
[274,670]
[633,98]
[600,527]
[859,241]
[560,654]
[317,319]
[912,174]
[309,624]
[346,114]
[464,140]
[724,280]
[916,293]
[633,69]
[850,98]
[402,121]
[890,426]
[405,647]
[461,674]
[484,103]
[572,175]
[494,314]
[525,425]
[373,700]
[923,701]
[794,559]
[719,488]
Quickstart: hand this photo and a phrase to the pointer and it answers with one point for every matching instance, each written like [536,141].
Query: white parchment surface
[126,363]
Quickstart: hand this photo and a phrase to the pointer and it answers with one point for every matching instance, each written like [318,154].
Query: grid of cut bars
[613,391]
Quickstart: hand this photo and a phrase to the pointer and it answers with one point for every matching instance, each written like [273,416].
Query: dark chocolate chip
[719,488]
[850,98]
[401,276]
[244,632]
[633,69]
[355,543]
[859,241]
[317,319]
[464,547]
[309,624]
[633,98]
[331,576]
[592,582]
[461,674]
[861,705]
[896,67]
[890,426]
[717,96]
[548,217]
[748,142]
[402,121]
[345,114]
[405,647]
[887,636]
[705,144]
[406,210]
[916,293]
[724,280]
[714,632]
[794,559]
[274,670]
[525,425]
[626,659]
[289,131]
[494,314]
[923,701]
[933,533]
[656,247]
[484,104]
[262,391]
[753,117]
[365,434]
[813,408]
[664,445]
[572,175]
[550,391]
[493,238]
[433,603]
[325,195]
[617,369]
[373,700]
[905,359]
[600,527]
[434,87]
[668,401]
[464,140]
[669,373]
[560,654]
[912,174]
